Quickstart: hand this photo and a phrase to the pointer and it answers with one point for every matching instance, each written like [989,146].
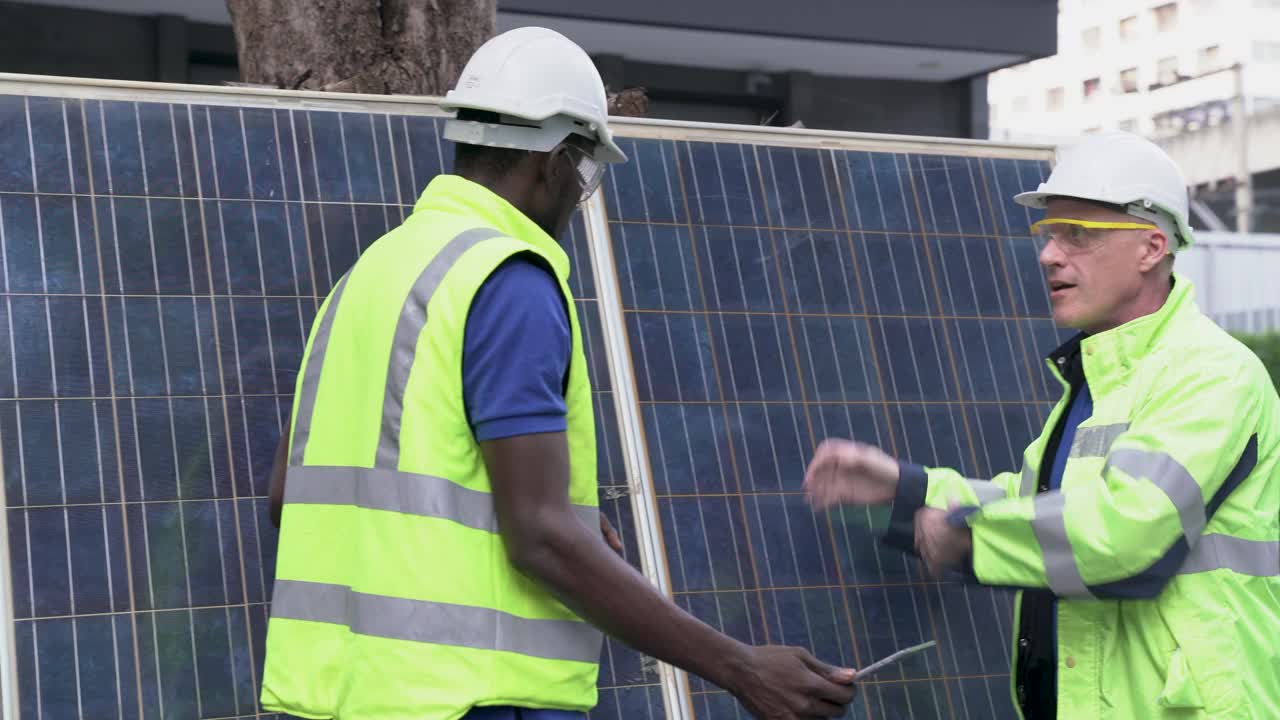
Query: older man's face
[1094,283]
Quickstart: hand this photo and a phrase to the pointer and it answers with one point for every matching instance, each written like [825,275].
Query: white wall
[1236,278]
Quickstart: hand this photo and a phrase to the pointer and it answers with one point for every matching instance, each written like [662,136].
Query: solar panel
[164,255]
[775,296]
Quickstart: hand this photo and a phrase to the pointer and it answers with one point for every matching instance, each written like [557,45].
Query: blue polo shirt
[514,361]
[516,353]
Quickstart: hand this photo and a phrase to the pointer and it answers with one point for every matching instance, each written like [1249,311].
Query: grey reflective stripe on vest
[1096,441]
[311,376]
[986,491]
[432,622]
[1049,525]
[1259,558]
[1171,477]
[402,492]
[404,344]
[1028,480]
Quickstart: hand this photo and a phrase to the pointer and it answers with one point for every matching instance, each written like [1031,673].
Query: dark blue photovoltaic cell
[887,297]
[162,266]
[159,282]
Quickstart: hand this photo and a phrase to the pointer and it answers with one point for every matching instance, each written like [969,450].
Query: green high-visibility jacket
[394,597]
[1163,543]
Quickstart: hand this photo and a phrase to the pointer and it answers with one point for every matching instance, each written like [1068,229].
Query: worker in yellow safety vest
[1142,530]
[441,552]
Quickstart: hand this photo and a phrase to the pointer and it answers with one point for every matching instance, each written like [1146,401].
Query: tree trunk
[409,47]
[412,47]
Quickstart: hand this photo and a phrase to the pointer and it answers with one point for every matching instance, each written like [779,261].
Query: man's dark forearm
[581,570]
[529,475]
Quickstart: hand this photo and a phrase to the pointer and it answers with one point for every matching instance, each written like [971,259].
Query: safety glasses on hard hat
[590,171]
[1078,235]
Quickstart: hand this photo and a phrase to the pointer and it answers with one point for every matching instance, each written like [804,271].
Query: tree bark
[409,47]
[632,102]
[412,47]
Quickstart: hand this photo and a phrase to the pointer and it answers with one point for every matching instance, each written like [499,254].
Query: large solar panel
[743,295]
[775,296]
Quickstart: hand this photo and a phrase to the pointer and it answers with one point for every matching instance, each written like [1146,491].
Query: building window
[1057,98]
[1091,87]
[1129,80]
[1207,59]
[1167,71]
[1092,38]
[1267,51]
[1129,28]
[1167,17]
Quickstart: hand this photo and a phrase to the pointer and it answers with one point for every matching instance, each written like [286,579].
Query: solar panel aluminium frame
[677,698]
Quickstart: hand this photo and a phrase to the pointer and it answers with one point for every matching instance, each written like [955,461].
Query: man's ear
[1155,247]
[553,165]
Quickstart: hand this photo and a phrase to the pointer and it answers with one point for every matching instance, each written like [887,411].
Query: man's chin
[1067,318]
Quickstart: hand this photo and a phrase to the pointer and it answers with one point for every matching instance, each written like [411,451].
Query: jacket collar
[456,195]
[1123,346]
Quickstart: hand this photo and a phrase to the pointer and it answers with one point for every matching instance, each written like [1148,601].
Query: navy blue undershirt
[1081,410]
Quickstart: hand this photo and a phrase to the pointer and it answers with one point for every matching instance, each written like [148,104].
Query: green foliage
[1267,347]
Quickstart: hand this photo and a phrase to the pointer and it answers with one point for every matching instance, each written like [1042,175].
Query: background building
[1184,73]
[909,67]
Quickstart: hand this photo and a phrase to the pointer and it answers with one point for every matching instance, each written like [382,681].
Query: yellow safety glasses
[1078,235]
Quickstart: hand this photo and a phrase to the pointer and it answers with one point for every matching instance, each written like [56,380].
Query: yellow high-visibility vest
[394,597]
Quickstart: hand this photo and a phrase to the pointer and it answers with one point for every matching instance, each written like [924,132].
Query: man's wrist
[909,491]
[959,518]
[731,665]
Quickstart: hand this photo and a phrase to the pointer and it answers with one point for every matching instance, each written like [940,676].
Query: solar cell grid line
[927,204]
[835,609]
[804,194]
[219,330]
[686,578]
[892,385]
[979,471]
[999,214]
[1011,459]
[642,351]
[668,696]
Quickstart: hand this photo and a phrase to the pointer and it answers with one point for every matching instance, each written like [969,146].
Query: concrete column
[800,99]
[172,51]
[979,115]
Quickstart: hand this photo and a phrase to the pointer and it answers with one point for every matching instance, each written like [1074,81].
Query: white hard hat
[1122,169]
[541,85]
